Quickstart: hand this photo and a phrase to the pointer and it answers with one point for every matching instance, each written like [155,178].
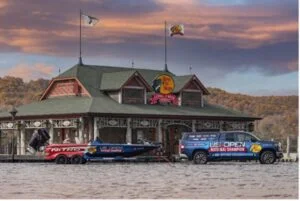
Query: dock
[9,158]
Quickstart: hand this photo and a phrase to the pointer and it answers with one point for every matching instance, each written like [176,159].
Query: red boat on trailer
[71,153]
[65,153]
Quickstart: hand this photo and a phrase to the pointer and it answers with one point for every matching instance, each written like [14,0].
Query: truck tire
[267,157]
[77,159]
[83,161]
[61,159]
[200,157]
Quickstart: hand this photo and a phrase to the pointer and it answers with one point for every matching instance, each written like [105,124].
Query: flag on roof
[89,20]
[177,29]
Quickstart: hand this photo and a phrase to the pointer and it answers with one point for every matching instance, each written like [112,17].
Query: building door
[173,135]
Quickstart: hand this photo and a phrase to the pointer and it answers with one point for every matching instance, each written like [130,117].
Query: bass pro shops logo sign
[163,85]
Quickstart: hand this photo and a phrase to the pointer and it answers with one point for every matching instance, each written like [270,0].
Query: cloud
[3,3]
[31,72]
[218,35]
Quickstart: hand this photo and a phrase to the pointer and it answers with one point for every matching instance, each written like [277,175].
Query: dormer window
[190,91]
[133,95]
[189,98]
[127,87]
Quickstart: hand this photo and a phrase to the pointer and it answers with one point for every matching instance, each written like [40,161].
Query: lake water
[149,180]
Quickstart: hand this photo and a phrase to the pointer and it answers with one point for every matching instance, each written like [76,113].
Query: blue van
[202,147]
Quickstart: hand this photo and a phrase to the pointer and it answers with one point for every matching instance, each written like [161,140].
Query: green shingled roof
[115,80]
[181,81]
[91,76]
[54,106]
[95,78]
[105,105]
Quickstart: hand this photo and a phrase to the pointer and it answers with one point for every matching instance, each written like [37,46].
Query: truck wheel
[83,161]
[76,159]
[200,157]
[267,157]
[62,159]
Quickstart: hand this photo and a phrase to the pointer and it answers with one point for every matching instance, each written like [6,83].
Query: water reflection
[149,180]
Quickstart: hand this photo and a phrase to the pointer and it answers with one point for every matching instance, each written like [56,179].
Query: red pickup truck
[65,153]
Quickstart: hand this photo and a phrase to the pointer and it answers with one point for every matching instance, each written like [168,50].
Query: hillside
[14,91]
[280,113]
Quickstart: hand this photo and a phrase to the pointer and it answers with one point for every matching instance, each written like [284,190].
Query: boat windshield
[97,141]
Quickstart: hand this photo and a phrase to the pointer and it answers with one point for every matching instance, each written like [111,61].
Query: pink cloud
[31,72]
[251,26]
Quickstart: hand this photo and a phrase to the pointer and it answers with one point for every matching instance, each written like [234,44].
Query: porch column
[22,133]
[128,131]
[193,125]
[80,129]
[91,129]
[159,132]
[18,139]
[246,126]
[51,132]
[96,130]
[221,125]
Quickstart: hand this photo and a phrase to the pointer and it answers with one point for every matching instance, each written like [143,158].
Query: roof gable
[134,82]
[189,82]
[117,80]
[65,86]
[192,86]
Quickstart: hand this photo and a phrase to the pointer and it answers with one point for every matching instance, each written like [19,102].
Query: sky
[241,46]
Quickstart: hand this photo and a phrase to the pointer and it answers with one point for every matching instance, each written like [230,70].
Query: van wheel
[267,157]
[200,157]
[62,159]
[76,159]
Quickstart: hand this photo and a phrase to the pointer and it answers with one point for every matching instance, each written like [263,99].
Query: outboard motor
[34,141]
[44,136]
[39,139]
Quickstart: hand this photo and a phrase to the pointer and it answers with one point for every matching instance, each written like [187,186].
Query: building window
[191,99]
[133,96]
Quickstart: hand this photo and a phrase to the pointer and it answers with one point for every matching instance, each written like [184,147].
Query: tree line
[279,113]
[14,91]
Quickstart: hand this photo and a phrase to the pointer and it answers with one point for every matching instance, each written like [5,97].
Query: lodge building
[121,105]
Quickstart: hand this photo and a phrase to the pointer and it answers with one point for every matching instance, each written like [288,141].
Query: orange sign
[163,84]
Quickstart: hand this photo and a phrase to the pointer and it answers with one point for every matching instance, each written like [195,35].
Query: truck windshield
[253,138]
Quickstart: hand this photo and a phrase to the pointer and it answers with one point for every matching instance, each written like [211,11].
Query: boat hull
[117,150]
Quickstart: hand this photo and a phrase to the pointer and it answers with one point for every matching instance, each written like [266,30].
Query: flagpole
[80,59]
[166,65]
